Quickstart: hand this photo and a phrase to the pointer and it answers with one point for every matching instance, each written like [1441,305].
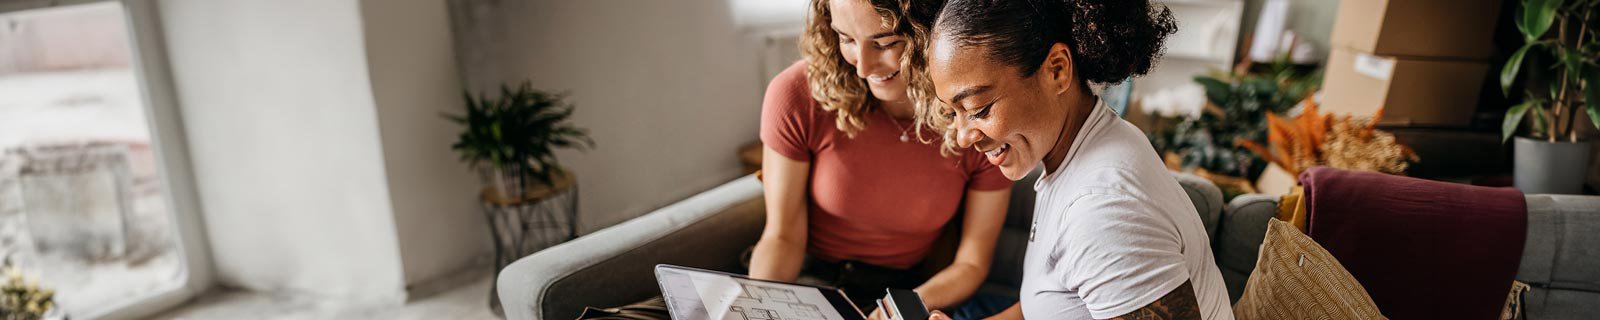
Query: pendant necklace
[904,135]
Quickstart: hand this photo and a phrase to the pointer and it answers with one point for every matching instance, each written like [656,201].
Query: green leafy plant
[1237,111]
[518,132]
[1566,32]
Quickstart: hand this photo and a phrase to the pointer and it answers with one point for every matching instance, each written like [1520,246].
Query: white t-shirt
[1113,231]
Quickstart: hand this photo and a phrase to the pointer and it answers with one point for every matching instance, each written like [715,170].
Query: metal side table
[543,217]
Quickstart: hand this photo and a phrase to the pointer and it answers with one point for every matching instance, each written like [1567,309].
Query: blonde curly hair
[833,80]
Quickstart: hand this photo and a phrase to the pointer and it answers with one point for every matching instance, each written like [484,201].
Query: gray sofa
[613,267]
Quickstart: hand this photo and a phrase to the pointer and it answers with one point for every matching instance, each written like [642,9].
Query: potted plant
[1551,159]
[511,141]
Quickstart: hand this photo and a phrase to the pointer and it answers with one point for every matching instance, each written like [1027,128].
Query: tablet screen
[694,294]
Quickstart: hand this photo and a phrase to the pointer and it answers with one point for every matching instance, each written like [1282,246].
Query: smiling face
[1015,121]
[875,51]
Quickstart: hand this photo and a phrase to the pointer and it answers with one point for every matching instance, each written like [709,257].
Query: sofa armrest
[615,266]
[1561,256]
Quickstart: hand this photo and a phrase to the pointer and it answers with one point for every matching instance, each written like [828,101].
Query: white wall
[669,89]
[284,139]
[323,166]
[414,79]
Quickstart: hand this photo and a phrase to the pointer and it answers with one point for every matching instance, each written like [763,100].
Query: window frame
[168,141]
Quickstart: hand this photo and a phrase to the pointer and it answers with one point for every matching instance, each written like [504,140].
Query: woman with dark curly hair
[1114,235]
[855,195]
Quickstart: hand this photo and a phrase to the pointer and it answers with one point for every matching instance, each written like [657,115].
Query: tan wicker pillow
[1296,279]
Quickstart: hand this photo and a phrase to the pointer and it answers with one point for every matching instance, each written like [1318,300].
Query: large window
[92,204]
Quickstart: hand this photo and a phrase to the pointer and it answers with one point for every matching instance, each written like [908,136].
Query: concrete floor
[468,302]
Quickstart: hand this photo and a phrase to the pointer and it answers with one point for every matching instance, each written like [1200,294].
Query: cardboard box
[1422,93]
[1461,29]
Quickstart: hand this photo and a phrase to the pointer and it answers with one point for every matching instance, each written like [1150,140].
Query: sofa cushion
[1297,279]
[1207,199]
[1008,253]
[1238,241]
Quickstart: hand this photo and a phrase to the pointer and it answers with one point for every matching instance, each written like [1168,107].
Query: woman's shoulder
[792,76]
[790,85]
[789,94]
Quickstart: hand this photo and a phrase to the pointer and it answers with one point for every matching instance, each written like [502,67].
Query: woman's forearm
[952,285]
[777,259]
[782,248]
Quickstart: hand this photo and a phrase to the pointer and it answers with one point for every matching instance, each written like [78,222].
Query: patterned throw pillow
[1296,279]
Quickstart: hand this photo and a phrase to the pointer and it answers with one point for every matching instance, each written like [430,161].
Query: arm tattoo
[1178,304]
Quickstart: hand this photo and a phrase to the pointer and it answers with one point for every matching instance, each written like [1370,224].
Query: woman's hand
[877,314]
[937,315]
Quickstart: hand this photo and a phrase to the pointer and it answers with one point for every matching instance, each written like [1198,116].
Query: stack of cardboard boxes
[1425,62]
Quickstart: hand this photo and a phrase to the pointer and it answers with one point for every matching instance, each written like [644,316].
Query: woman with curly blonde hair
[856,194]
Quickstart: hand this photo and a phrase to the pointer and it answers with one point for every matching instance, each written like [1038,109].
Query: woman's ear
[1057,69]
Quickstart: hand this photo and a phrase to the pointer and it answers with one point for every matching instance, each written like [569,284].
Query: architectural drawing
[805,311]
[755,313]
[758,301]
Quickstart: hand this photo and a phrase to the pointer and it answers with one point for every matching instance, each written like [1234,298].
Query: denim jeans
[981,306]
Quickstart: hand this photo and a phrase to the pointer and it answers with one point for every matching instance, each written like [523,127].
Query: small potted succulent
[511,140]
[1561,83]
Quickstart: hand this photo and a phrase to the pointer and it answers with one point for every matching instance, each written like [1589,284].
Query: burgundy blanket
[1423,249]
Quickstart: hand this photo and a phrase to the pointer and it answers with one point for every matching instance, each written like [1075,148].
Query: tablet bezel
[835,296]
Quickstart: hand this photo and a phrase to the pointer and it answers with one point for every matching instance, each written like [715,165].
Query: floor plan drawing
[732,298]
[755,313]
[762,293]
[761,301]
[780,294]
[805,311]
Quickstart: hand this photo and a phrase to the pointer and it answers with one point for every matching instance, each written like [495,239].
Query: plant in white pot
[1561,88]
[511,140]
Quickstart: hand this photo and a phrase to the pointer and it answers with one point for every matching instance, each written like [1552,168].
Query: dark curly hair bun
[1110,40]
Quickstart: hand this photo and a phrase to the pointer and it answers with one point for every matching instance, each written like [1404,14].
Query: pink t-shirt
[873,198]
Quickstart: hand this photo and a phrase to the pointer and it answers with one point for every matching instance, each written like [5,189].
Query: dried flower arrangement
[1347,142]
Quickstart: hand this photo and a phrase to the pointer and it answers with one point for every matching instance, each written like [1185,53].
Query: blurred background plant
[512,140]
[22,298]
[1236,110]
[1566,31]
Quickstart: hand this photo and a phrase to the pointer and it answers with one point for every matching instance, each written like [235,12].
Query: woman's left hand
[937,315]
